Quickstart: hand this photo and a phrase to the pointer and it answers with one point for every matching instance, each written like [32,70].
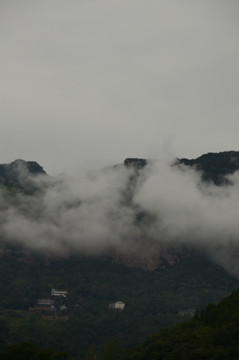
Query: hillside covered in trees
[153,300]
[162,240]
[212,334]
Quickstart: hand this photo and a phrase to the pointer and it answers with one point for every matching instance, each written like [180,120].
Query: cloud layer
[142,215]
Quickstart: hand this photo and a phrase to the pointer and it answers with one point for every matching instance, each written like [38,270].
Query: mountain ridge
[16,172]
[212,164]
[150,254]
[180,275]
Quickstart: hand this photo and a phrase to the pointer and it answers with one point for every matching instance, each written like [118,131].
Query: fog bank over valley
[139,211]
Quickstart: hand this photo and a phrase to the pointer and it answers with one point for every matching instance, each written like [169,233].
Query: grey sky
[88,83]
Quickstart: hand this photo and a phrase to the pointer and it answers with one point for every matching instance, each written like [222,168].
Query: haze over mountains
[143,213]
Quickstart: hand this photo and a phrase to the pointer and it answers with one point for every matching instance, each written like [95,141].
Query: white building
[118,305]
[55,292]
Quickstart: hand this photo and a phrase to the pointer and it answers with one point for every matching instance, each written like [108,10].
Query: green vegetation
[28,351]
[152,300]
[211,335]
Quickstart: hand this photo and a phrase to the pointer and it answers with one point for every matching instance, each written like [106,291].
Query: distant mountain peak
[215,166]
[16,172]
[135,162]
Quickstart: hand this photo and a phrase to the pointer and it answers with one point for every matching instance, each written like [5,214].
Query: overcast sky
[88,83]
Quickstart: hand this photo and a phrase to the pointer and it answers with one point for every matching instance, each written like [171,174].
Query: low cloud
[142,215]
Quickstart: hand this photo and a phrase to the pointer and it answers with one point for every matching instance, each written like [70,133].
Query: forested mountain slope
[152,300]
[212,334]
[96,236]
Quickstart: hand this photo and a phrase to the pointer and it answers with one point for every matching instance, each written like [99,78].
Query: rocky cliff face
[154,257]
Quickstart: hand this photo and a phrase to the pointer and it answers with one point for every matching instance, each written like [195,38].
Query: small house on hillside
[62,293]
[118,305]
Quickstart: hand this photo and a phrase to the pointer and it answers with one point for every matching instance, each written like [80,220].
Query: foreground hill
[153,300]
[211,335]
